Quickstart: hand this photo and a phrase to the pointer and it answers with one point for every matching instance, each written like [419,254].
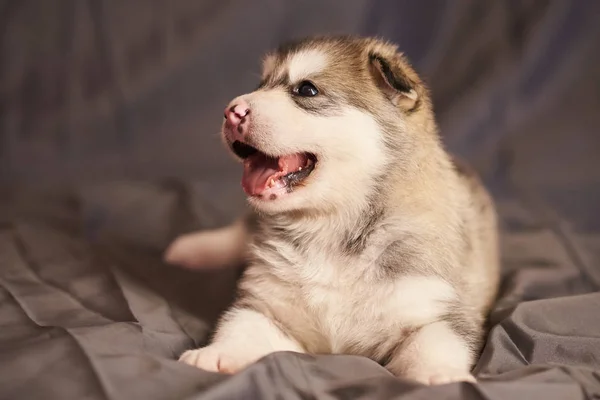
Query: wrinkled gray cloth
[85,318]
[102,90]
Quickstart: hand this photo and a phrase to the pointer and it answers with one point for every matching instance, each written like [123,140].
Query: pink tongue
[259,169]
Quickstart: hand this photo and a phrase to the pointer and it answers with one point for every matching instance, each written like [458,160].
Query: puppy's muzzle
[237,120]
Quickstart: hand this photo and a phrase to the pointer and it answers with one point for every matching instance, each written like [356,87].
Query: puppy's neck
[328,230]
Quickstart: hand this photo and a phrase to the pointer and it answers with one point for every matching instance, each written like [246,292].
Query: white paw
[215,359]
[444,376]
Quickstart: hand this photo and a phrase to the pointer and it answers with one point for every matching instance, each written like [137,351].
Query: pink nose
[236,115]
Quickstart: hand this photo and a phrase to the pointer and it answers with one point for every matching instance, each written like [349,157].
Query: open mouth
[266,176]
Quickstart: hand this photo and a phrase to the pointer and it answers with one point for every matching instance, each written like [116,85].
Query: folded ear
[392,80]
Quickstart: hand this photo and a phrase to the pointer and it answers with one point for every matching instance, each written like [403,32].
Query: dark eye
[306,89]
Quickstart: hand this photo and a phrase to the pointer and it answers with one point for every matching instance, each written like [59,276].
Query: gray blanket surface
[85,318]
[101,100]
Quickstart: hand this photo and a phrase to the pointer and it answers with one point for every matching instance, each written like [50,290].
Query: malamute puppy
[366,237]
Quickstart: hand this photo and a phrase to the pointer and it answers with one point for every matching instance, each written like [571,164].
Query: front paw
[442,376]
[215,359]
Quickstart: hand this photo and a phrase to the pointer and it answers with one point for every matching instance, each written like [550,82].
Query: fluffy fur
[388,249]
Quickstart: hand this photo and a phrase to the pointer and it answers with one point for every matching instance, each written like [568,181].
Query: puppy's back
[482,236]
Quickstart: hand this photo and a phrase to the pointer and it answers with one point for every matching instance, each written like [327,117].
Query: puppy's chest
[359,314]
[349,304]
[351,317]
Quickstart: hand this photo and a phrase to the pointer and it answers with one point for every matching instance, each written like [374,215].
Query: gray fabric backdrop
[112,89]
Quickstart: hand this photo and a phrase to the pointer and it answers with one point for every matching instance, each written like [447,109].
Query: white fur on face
[305,63]
[349,146]
[349,149]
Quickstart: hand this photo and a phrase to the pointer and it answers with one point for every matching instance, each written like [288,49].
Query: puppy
[366,237]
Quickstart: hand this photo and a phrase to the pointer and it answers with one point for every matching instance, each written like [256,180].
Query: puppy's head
[330,117]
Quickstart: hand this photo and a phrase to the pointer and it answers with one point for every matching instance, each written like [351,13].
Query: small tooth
[272,182]
[300,169]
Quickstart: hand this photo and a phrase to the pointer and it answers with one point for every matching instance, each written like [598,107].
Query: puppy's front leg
[434,355]
[242,337]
